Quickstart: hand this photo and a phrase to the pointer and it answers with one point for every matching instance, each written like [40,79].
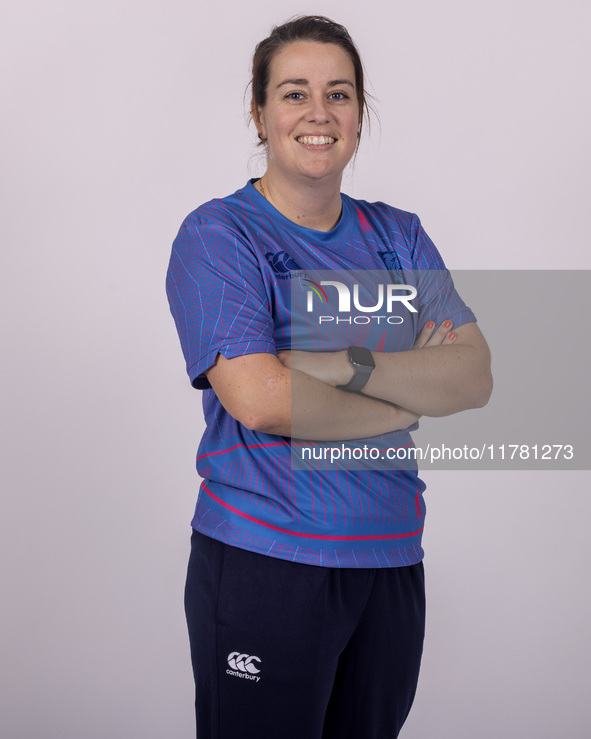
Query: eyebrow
[332,83]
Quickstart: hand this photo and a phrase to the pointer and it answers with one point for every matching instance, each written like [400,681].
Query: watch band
[363,363]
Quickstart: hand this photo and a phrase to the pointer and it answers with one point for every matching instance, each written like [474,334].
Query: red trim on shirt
[306,536]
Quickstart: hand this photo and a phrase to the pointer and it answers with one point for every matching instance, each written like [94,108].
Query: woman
[305,592]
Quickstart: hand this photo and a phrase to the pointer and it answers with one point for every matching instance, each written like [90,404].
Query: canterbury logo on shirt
[281,263]
[243,666]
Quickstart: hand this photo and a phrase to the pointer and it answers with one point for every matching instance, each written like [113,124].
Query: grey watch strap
[363,363]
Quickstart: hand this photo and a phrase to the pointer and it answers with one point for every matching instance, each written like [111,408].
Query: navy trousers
[282,650]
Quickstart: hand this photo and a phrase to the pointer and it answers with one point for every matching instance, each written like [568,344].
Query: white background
[120,118]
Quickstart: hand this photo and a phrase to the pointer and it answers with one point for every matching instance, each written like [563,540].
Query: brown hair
[305,28]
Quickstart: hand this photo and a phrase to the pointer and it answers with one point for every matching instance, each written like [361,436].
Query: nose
[318,111]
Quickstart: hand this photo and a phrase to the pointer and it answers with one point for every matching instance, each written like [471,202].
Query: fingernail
[429,324]
[447,324]
[451,336]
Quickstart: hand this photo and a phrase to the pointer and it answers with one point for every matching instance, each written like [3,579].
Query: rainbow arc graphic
[314,287]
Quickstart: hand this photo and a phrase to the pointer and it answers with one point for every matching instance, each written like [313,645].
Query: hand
[430,337]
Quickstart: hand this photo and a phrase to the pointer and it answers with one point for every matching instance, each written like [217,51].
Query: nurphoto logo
[387,296]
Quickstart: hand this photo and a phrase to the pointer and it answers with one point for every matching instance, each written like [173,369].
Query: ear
[256,113]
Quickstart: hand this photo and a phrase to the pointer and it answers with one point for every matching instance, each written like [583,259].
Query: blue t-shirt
[230,283]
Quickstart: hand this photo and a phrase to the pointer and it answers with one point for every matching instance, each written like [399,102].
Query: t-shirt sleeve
[217,297]
[437,295]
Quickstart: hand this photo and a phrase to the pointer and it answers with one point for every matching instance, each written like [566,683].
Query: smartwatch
[362,360]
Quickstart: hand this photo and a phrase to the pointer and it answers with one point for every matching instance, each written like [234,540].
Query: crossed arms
[295,394]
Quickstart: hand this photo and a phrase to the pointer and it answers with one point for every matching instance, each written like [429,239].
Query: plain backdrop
[118,119]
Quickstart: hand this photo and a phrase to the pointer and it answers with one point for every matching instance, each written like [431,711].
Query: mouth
[315,140]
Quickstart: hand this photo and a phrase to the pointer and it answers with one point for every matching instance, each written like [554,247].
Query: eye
[294,96]
[338,95]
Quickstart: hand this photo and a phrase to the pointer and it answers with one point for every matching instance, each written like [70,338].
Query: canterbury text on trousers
[283,650]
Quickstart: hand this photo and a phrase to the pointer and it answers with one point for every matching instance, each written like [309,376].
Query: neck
[314,204]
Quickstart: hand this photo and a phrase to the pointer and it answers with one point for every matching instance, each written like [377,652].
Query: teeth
[316,140]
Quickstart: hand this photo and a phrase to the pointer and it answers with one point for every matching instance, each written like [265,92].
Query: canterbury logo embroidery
[281,262]
[243,666]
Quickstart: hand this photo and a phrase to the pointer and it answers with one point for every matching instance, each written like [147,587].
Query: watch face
[361,356]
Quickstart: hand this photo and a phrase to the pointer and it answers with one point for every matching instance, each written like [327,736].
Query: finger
[424,336]
[449,339]
[440,334]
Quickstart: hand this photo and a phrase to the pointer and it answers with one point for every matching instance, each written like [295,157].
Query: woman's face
[312,116]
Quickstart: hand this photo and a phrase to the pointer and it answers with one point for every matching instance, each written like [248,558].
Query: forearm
[263,395]
[321,412]
[435,381]
[443,374]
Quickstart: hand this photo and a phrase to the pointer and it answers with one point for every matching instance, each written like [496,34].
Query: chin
[322,172]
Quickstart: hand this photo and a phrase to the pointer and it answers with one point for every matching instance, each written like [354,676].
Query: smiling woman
[310,123]
[305,592]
